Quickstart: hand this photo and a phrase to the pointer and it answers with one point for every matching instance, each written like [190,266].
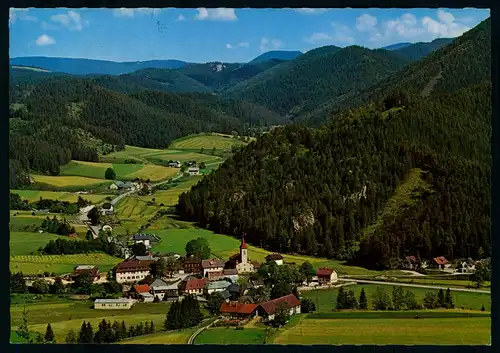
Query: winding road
[414,285]
[200,330]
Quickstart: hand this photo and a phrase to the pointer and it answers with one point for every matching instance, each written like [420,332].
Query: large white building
[131,271]
[114,304]
[212,265]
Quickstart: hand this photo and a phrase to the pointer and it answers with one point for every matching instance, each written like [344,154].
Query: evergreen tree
[152,327]
[381,300]
[431,300]
[341,299]
[441,298]
[398,298]
[49,335]
[449,300]
[363,301]
[123,330]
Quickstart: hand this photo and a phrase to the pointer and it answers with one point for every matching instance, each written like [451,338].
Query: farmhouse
[194,171]
[113,186]
[161,289]
[217,286]
[136,291]
[441,262]
[212,265]
[107,228]
[84,269]
[130,271]
[268,309]
[192,265]
[107,209]
[326,276]
[231,273]
[215,275]
[195,286]
[114,304]
[410,262]
[174,164]
[276,258]
[146,239]
[235,310]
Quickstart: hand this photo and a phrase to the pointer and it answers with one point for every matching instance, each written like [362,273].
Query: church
[240,261]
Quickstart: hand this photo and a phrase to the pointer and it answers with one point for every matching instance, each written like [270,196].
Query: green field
[70,181]
[222,335]
[224,246]
[123,171]
[388,330]
[23,243]
[60,264]
[35,195]
[325,299]
[64,315]
[177,337]
[207,142]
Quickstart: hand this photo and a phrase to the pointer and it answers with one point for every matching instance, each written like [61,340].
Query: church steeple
[243,244]
[243,250]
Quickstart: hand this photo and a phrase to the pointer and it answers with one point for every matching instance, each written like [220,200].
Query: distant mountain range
[278,55]
[396,46]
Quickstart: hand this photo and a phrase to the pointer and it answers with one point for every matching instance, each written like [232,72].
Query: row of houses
[440,262]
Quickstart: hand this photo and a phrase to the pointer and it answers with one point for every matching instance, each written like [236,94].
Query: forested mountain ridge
[281,55]
[419,50]
[465,61]
[315,191]
[328,191]
[64,118]
[301,85]
[90,66]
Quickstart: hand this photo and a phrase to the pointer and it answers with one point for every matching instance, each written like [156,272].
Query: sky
[222,34]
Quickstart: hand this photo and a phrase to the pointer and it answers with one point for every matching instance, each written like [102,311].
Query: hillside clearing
[35,195]
[23,243]
[66,181]
[207,142]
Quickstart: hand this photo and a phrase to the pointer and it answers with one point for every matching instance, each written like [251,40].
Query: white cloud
[123,12]
[366,23]
[270,44]
[71,20]
[240,45]
[44,40]
[341,35]
[219,14]
[445,17]
[318,37]
[181,18]
[20,14]
[308,11]
[444,29]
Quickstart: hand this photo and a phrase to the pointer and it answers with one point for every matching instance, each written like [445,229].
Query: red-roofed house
[212,265]
[238,310]
[195,286]
[141,291]
[441,261]
[326,275]
[93,271]
[130,271]
[267,310]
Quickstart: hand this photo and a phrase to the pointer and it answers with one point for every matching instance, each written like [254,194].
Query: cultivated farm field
[123,171]
[222,335]
[177,337]
[35,195]
[389,329]
[64,181]
[60,264]
[207,142]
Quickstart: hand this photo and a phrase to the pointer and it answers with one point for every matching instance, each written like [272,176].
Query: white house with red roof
[326,275]
[268,309]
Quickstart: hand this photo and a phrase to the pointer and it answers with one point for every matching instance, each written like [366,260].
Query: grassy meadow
[388,330]
[170,337]
[64,181]
[64,315]
[325,299]
[207,142]
[35,195]
[123,171]
[24,243]
[222,335]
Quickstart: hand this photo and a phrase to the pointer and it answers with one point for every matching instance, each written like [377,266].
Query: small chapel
[240,261]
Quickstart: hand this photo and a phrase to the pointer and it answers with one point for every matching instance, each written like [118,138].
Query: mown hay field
[325,299]
[123,171]
[207,142]
[60,264]
[35,195]
[410,331]
[23,243]
[69,181]
[178,337]
[222,335]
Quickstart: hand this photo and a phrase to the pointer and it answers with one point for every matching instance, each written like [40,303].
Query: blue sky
[229,35]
